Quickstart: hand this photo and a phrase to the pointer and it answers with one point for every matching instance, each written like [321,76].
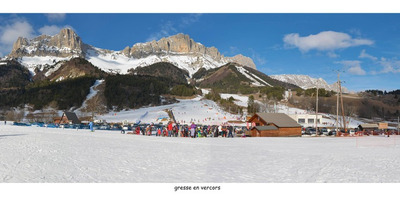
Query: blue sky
[365,48]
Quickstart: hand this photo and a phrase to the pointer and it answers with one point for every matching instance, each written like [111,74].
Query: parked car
[325,131]
[38,124]
[127,127]
[105,127]
[64,126]
[310,131]
[83,126]
[116,127]
[51,125]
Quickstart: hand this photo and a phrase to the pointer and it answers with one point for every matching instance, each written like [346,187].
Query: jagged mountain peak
[307,82]
[179,44]
[243,60]
[64,44]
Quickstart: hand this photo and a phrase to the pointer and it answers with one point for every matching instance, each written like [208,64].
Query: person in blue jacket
[91,126]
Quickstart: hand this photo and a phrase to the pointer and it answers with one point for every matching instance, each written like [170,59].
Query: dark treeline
[380,92]
[313,92]
[63,95]
[134,91]
[13,75]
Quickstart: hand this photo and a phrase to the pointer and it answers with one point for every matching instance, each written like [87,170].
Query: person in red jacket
[169,127]
[138,130]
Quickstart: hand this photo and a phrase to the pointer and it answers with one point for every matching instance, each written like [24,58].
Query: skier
[193,130]
[91,126]
[230,130]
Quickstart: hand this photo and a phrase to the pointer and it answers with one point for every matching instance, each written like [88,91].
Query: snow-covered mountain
[307,82]
[180,50]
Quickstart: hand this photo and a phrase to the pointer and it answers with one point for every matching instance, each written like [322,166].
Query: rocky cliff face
[64,44]
[179,43]
[243,60]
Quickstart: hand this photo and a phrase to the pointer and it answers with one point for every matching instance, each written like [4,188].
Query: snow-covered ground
[32,62]
[34,154]
[239,99]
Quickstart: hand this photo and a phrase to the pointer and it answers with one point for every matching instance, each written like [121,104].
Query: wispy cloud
[332,54]
[355,31]
[52,29]
[192,18]
[260,60]
[169,28]
[323,41]
[232,51]
[364,54]
[56,17]
[10,32]
[353,67]
[389,66]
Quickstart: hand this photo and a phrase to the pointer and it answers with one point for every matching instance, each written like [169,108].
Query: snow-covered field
[34,154]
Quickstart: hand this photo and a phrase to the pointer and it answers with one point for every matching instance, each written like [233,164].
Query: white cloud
[56,17]
[257,57]
[332,55]
[389,66]
[167,29]
[192,18]
[10,33]
[52,29]
[364,54]
[353,67]
[324,41]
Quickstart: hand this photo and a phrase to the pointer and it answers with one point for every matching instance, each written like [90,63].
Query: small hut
[67,118]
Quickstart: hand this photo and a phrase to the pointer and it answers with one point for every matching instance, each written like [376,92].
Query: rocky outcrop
[243,60]
[66,43]
[179,43]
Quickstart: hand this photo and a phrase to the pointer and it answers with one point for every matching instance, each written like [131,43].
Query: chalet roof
[369,125]
[279,119]
[71,116]
[265,128]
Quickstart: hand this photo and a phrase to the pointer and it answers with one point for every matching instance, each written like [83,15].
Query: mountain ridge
[179,49]
[307,82]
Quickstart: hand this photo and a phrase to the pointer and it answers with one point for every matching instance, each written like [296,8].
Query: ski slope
[196,110]
[35,154]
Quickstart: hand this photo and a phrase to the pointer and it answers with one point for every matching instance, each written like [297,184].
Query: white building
[307,119]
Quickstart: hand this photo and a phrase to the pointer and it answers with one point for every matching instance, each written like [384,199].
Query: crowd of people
[192,130]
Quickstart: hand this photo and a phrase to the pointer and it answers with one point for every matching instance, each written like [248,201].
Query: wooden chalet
[67,118]
[273,125]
